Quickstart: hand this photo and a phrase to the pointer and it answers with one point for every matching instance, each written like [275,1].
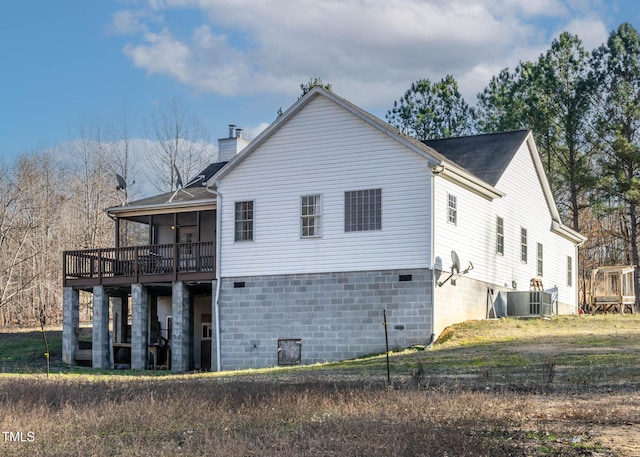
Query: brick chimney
[229,147]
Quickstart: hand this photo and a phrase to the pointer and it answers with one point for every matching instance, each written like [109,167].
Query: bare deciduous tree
[181,148]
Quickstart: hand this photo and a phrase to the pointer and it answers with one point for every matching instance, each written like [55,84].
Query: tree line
[583,107]
[55,199]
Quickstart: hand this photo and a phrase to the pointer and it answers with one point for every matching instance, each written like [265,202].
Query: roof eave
[468,181]
[125,211]
[567,232]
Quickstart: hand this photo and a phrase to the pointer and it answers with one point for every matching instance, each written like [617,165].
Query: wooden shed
[612,289]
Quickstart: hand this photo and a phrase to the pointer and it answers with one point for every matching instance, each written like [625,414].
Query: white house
[329,219]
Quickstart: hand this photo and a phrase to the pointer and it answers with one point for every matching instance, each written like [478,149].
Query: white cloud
[205,61]
[125,22]
[369,50]
[592,32]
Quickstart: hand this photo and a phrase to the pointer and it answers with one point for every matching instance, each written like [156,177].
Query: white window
[244,221]
[569,271]
[523,245]
[539,269]
[310,216]
[363,210]
[452,209]
[499,236]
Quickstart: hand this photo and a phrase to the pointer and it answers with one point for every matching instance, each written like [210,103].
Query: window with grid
[539,269]
[452,209]
[569,271]
[244,221]
[310,223]
[499,236]
[523,245]
[363,210]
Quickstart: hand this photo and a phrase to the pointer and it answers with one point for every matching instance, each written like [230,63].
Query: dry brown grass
[78,416]
[485,392]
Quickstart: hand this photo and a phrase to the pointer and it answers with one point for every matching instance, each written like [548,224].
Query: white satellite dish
[455,268]
[455,263]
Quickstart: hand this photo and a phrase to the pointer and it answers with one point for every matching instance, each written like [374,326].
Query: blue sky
[70,64]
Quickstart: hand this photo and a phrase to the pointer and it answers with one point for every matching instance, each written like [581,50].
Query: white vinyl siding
[474,237]
[326,150]
[310,216]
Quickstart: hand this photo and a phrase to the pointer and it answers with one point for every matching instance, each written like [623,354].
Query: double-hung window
[539,270]
[452,209]
[569,271]
[500,236]
[244,221]
[363,210]
[523,245]
[310,216]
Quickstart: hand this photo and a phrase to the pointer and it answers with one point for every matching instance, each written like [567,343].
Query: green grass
[502,351]
[24,350]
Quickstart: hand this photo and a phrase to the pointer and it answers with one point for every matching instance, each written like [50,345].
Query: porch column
[181,321]
[100,335]
[139,326]
[70,321]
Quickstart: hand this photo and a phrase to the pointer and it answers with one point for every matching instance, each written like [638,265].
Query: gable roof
[433,157]
[486,156]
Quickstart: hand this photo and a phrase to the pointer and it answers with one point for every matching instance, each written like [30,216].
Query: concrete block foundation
[334,316]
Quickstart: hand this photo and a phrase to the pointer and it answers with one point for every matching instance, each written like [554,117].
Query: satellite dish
[455,263]
[179,185]
[179,178]
[122,184]
[455,268]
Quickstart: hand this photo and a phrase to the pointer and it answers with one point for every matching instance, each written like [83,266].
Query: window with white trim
[363,210]
[499,236]
[244,221]
[452,209]
[569,271]
[310,216]
[539,270]
[523,245]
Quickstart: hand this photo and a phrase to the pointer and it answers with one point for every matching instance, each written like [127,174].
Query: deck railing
[163,262]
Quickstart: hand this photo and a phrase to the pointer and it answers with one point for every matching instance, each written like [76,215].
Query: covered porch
[153,326]
[152,290]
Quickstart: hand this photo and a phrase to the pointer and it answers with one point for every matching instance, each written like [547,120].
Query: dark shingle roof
[486,156]
[208,172]
[181,196]
[195,190]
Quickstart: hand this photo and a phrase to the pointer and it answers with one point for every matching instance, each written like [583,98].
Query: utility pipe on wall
[216,300]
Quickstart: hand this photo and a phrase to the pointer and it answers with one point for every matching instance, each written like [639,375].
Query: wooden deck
[139,264]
